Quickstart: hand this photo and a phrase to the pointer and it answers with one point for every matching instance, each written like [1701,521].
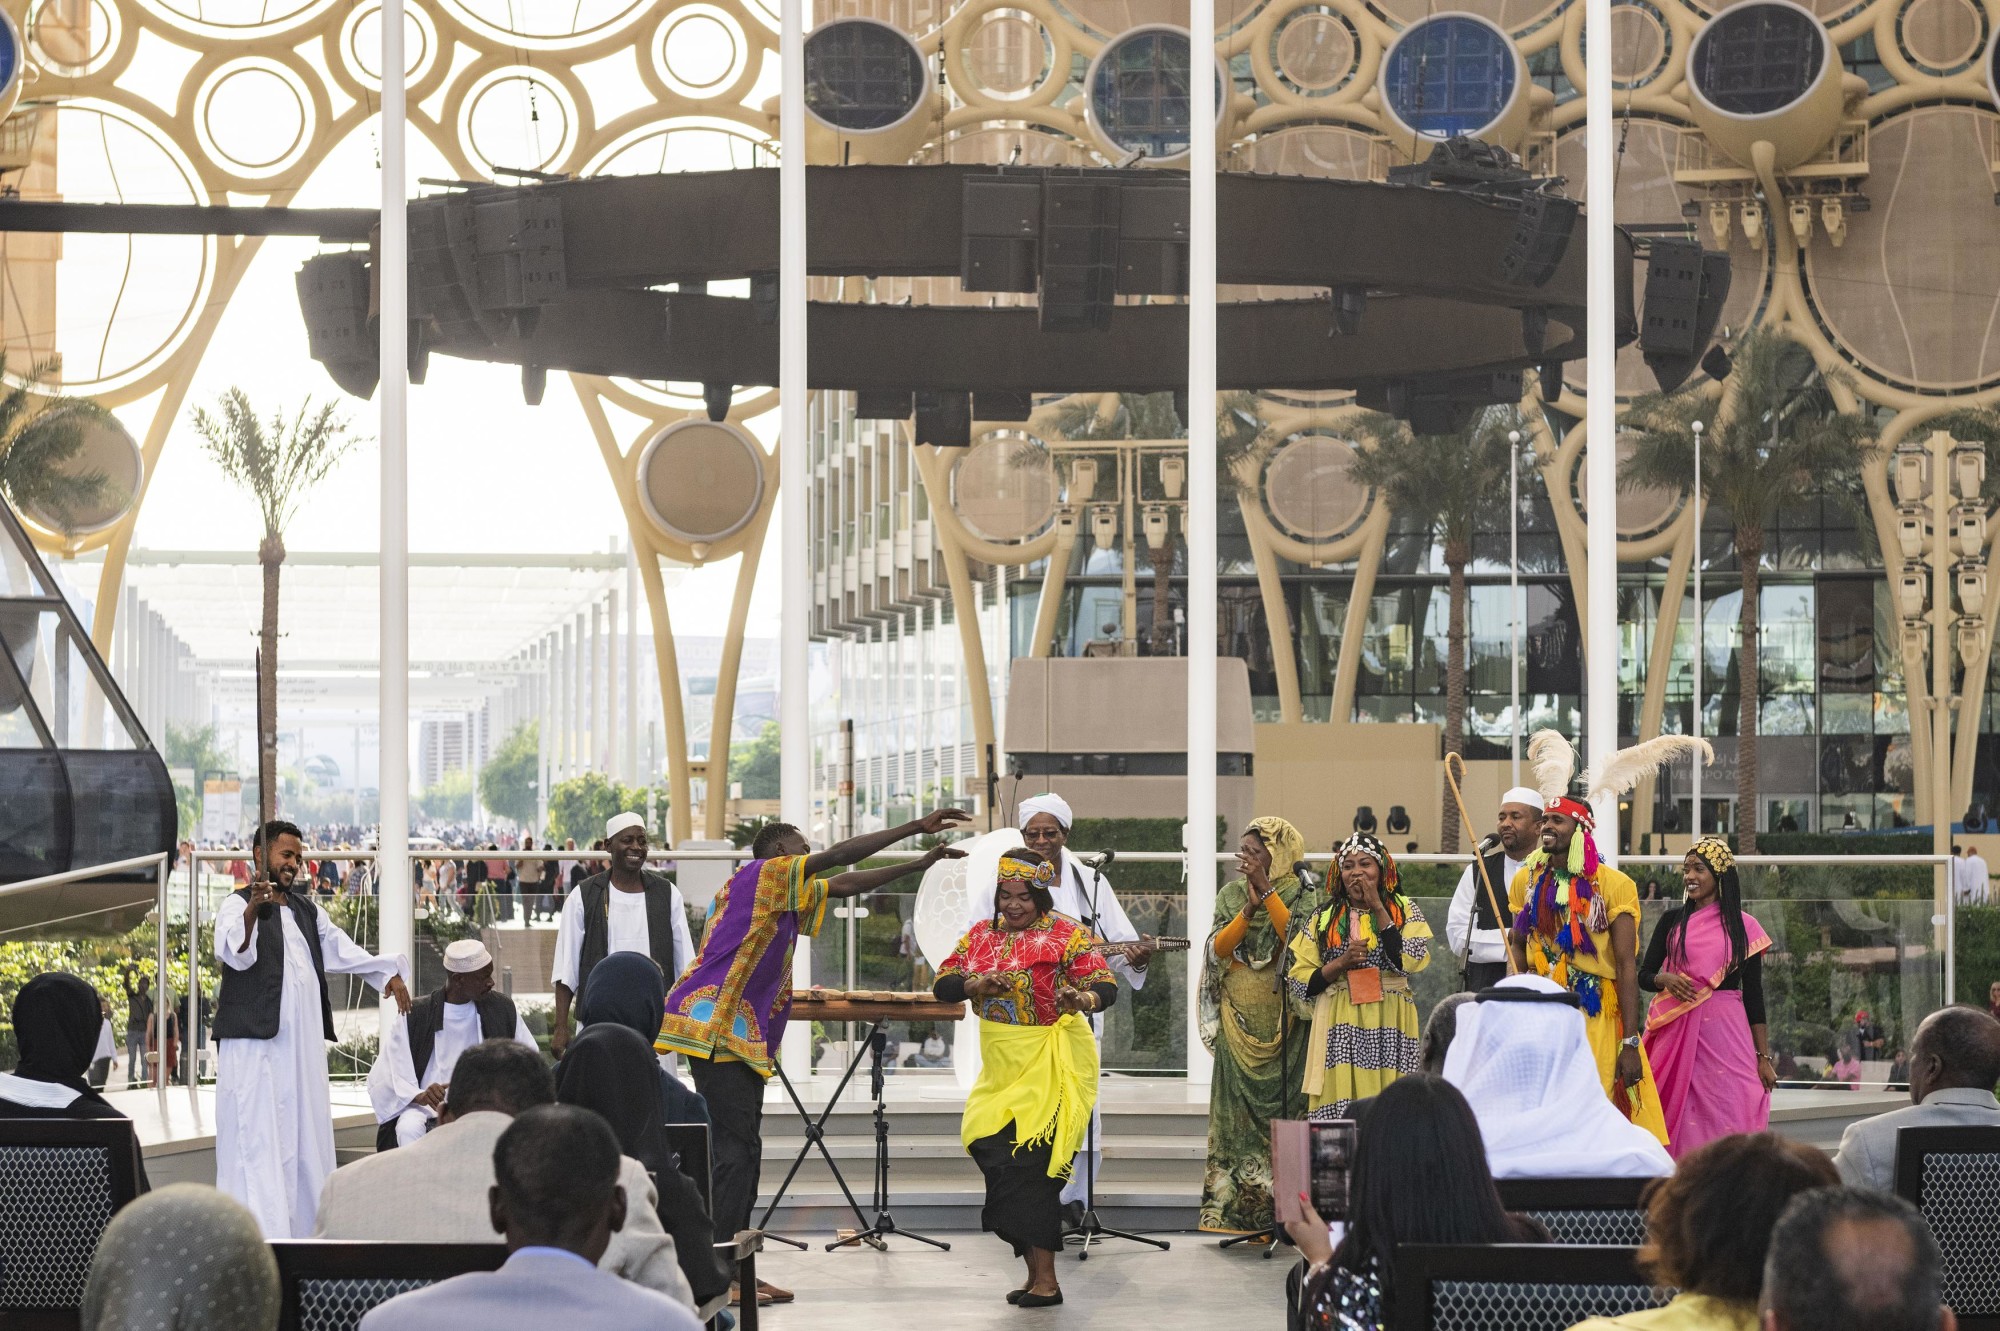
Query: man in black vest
[627,908]
[1472,911]
[273,1119]
[412,1073]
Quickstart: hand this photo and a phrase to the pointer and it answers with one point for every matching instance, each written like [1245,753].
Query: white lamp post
[1514,594]
[1700,624]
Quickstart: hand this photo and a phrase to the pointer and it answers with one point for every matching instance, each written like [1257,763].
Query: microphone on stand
[1487,845]
[1100,862]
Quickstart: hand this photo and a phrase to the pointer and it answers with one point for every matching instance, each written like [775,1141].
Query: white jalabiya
[393,1081]
[1085,895]
[1529,1074]
[273,1123]
[625,930]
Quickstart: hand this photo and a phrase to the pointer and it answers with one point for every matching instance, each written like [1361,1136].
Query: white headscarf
[1528,1072]
[1052,804]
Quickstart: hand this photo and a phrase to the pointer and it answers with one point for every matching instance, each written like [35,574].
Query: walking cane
[1451,774]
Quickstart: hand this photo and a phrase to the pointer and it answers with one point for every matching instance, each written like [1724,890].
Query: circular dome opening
[1138,92]
[1758,59]
[862,76]
[1451,75]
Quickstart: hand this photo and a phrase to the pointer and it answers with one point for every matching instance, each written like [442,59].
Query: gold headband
[1041,875]
[1715,852]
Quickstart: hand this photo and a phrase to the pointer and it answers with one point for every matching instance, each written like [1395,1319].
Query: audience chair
[1581,1210]
[1952,1175]
[689,1141]
[1516,1286]
[330,1285]
[61,1180]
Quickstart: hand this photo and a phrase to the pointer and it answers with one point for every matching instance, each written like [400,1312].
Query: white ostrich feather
[1553,762]
[1627,767]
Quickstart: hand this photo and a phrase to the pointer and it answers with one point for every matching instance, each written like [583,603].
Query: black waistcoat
[1482,909]
[246,1006]
[659,894]
[426,1019]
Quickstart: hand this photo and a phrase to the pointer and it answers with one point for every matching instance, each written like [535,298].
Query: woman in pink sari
[1705,1034]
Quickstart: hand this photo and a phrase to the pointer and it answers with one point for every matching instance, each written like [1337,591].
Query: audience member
[1993,1000]
[435,1189]
[185,1258]
[1954,1064]
[611,1070]
[57,1018]
[1849,1259]
[138,1020]
[1439,1028]
[557,1198]
[1419,1177]
[629,989]
[1709,1226]
[1522,1057]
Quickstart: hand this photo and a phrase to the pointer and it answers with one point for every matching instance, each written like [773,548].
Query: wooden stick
[1478,861]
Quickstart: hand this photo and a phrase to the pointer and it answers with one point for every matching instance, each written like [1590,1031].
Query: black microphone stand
[1090,1227]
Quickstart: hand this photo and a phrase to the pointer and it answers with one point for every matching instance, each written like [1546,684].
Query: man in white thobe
[1085,895]
[627,908]
[273,1121]
[441,1026]
[1971,885]
[1472,918]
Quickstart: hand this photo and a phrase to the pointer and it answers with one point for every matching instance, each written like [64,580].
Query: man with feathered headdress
[1576,919]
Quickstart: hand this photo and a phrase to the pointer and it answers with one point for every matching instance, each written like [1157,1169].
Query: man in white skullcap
[1525,1064]
[408,1082]
[1472,918]
[626,908]
[1085,895]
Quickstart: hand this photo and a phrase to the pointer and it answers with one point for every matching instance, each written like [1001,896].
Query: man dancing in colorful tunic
[728,1012]
[1576,919]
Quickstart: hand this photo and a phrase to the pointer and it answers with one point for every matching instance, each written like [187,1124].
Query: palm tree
[39,434]
[1449,485]
[1153,416]
[277,461]
[1776,436]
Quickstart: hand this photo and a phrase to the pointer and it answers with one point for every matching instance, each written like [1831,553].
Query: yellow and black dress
[1365,1032]
[1026,1115]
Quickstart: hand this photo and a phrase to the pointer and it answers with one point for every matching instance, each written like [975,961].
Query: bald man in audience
[1954,1065]
[1847,1259]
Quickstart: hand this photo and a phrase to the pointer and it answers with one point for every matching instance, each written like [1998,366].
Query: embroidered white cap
[619,822]
[466,955]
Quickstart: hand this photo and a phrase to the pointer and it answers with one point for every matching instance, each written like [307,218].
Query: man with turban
[626,908]
[1083,894]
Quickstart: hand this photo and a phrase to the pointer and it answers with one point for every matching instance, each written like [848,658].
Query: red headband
[1570,808]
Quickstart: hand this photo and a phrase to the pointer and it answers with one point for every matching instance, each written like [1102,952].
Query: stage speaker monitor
[1153,236]
[1541,237]
[1685,289]
[1000,229]
[333,298]
[701,482]
[104,448]
[1079,253]
[944,420]
[882,404]
[1002,405]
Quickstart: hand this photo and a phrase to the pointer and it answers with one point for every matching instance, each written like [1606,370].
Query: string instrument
[1143,943]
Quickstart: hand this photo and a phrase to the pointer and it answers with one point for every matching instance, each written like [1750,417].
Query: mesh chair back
[1952,1175]
[331,1286]
[1582,1210]
[61,1180]
[1516,1287]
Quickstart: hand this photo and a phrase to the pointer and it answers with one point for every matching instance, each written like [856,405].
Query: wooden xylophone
[871,1005]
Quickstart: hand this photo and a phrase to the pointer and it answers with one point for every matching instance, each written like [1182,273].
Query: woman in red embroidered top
[1028,973]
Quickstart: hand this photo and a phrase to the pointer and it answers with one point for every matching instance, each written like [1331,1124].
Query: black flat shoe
[1014,1295]
[1029,1299]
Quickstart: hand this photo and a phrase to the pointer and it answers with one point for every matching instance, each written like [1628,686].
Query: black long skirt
[1023,1204]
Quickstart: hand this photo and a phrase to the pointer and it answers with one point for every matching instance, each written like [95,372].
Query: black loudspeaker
[1685,289]
[1717,363]
[333,297]
[882,404]
[1541,238]
[1079,254]
[944,420]
[764,297]
[1000,227]
[716,398]
[1002,406]
[1349,301]
[1153,236]
[534,382]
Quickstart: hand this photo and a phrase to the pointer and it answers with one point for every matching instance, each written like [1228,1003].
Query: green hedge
[1977,953]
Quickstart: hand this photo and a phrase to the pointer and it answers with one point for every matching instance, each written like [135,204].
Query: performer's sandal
[1029,1299]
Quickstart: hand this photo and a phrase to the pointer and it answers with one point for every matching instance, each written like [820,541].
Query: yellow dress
[1581,971]
[1355,1049]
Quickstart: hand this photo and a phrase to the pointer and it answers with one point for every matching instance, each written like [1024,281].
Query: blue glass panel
[1449,75]
[1140,94]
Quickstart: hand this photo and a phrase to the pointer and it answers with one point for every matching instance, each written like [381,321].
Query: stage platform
[1155,1143]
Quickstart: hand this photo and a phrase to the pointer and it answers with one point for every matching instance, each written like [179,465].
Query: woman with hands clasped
[1030,975]
[1352,962]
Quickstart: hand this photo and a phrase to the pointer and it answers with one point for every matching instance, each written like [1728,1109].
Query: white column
[392,874]
[794,656]
[575,749]
[628,712]
[544,730]
[1600,421]
[608,741]
[1201,517]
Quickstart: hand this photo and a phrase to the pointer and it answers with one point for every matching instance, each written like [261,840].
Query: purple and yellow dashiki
[732,1004]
